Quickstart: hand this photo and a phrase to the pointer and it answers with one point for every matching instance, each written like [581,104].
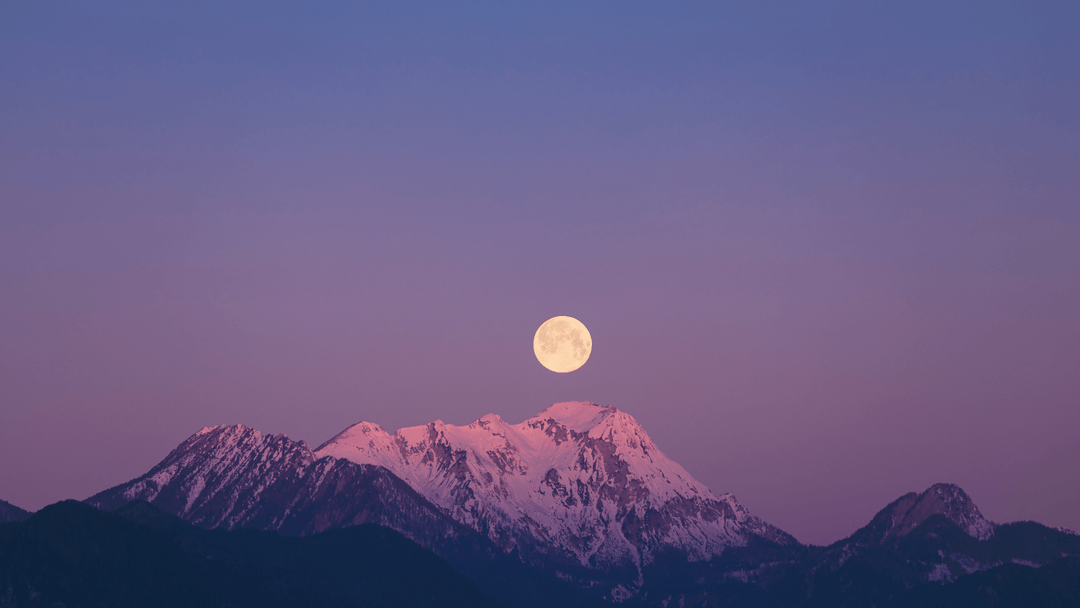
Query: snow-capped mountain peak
[578,478]
[580,416]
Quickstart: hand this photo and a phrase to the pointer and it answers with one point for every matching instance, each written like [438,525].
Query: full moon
[562,344]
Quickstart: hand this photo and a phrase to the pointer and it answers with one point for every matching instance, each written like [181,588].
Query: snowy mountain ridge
[576,501]
[578,478]
[233,477]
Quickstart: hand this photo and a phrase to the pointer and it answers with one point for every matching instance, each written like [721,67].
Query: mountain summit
[947,499]
[233,476]
[571,507]
[580,479]
[909,511]
[578,491]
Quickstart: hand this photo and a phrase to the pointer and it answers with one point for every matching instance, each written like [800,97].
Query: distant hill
[930,539]
[72,554]
[9,512]
[928,549]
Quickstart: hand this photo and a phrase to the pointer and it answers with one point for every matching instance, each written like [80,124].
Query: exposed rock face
[578,480]
[905,514]
[579,490]
[911,510]
[923,539]
[235,477]
[581,495]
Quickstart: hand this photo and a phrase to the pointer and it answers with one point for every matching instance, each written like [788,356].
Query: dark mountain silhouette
[9,512]
[74,555]
[1055,585]
[71,554]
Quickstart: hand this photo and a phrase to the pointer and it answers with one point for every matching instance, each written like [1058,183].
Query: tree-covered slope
[75,555]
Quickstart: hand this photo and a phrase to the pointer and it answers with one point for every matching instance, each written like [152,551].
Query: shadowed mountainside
[1055,585]
[72,554]
[9,512]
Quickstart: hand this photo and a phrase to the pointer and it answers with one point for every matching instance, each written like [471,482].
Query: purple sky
[828,254]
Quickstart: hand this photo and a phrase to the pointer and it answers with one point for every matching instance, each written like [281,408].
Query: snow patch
[940,574]
[1024,562]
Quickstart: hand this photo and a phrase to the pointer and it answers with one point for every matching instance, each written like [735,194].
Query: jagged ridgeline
[579,492]
[573,506]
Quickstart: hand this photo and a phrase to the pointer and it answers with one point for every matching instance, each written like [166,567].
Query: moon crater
[562,344]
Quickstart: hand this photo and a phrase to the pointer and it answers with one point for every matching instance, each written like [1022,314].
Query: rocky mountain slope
[915,545]
[578,480]
[932,538]
[234,477]
[909,511]
[580,491]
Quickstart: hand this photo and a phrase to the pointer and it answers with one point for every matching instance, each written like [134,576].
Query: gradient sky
[829,253]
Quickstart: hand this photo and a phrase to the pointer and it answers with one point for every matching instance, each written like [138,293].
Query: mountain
[235,477]
[72,554]
[933,548]
[579,493]
[932,538]
[577,505]
[909,511]
[579,484]
[9,512]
